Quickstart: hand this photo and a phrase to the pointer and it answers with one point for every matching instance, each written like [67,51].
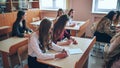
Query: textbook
[75,51]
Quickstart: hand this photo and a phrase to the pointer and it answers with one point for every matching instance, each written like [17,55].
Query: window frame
[95,8]
[53,8]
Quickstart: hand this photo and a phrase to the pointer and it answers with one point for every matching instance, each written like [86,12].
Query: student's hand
[61,55]
[72,25]
[68,42]
[64,51]
[74,41]
[27,35]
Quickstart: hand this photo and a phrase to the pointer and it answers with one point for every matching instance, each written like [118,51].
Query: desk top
[76,27]
[11,44]
[70,62]
[37,23]
[4,27]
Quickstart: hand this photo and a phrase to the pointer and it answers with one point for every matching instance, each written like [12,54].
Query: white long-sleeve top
[35,51]
[70,22]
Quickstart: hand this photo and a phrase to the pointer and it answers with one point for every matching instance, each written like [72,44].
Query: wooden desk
[77,26]
[79,29]
[9,47]
[37,23]
[5,30]
[76,60]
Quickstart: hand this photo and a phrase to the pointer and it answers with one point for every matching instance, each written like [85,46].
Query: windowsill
[50,9]
[95,12]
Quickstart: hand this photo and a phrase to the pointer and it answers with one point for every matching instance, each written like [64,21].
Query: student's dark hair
[117,17]
[118,14]
[60,9]
[110,15]
[71,10]
[44,27]
[19,16]
[59,26]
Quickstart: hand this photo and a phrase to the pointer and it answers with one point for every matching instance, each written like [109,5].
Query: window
[52,4]
[104,6]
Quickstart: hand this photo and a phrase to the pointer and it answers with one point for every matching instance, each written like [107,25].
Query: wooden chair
[102,39]
[23,54]
[5,32]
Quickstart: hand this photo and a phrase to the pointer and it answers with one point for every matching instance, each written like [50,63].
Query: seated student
[103,27]
[70,22]
[60,12]
[113,52]
[19,26]
[40,42]
[59,32]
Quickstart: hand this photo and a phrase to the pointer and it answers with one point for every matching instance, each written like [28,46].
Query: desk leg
[73,33]
[86,64]
[5,60]
[8,35]
[77,33]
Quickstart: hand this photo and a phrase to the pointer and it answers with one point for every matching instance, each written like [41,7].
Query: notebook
[75,51]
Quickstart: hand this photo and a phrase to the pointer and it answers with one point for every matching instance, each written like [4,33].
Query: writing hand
[60,55]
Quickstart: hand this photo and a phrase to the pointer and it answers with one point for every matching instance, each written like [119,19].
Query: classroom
[59,34]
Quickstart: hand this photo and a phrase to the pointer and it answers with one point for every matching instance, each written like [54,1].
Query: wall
[83,11]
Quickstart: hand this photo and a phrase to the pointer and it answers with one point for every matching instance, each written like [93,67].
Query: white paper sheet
[75,51]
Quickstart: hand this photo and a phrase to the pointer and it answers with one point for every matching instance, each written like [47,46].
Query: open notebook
[75,51]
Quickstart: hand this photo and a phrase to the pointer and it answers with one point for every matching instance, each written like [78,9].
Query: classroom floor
[94,62]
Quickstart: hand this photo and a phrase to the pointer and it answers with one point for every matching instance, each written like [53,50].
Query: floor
[94,62]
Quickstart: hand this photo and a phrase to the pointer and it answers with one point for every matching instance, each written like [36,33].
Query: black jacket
[18,30]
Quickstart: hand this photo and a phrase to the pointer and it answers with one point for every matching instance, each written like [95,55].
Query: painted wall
[83,11]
